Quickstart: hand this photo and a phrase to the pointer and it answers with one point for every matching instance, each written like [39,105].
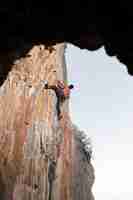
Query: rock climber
[62,92]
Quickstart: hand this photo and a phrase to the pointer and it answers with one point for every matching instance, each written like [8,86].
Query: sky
[102,105]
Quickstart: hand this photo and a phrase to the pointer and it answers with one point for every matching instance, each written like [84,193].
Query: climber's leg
[58,108]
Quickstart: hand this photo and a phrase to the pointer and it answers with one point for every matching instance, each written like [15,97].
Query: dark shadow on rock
[7,59]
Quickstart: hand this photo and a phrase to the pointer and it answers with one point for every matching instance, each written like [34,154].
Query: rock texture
[42,158]
[87,24]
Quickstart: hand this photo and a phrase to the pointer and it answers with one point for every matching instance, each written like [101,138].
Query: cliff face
[42,158]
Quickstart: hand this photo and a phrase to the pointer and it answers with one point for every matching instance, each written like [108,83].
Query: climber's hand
[45,83]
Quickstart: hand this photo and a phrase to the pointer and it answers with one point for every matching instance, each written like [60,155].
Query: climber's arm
[47,86]
[52,87]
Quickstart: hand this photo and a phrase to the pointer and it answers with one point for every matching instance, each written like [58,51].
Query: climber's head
[71,86]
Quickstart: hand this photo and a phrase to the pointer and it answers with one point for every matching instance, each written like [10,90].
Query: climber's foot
[60,117]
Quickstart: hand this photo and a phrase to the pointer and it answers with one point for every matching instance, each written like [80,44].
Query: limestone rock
[41,157]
